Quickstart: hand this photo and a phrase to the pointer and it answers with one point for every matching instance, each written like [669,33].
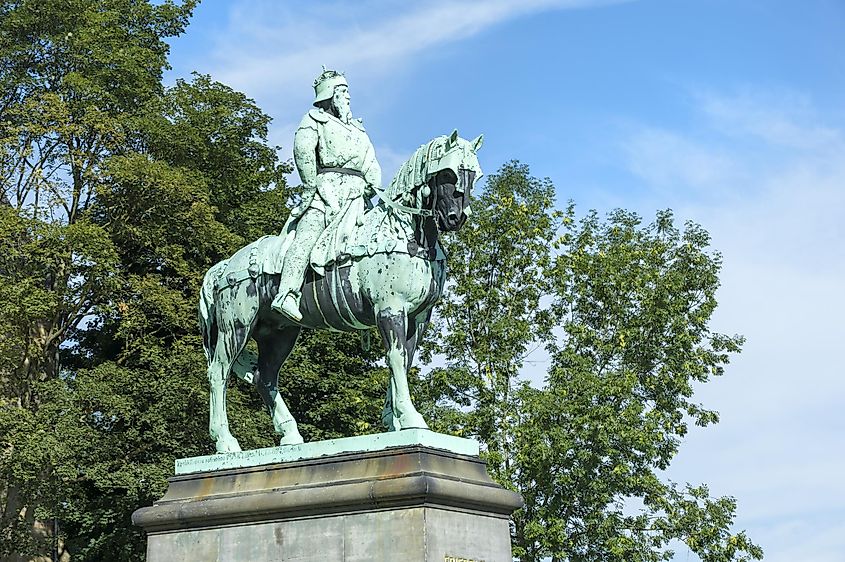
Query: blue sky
[730,112]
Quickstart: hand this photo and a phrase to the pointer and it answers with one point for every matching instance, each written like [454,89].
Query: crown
[326,75]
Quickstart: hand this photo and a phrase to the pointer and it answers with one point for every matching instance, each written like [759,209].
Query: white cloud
[766,176]
[272,50]
[779,119]
[667,161]
[278,47]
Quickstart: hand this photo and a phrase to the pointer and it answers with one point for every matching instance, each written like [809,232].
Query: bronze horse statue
[390,277]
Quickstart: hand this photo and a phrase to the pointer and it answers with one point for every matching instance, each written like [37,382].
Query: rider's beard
[342,110]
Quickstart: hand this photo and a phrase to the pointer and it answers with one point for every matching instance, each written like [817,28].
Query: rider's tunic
[334,156]
[337,164]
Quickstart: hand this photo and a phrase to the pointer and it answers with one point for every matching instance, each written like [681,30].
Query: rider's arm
[371,171]
[305,153]
[305,156]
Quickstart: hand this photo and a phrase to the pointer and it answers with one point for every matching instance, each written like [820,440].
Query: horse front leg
[399,412]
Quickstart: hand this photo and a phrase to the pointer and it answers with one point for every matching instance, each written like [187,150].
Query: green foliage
[74,77]
[492,317]
[623,310]
[332,387]
[204,125]
[117,195]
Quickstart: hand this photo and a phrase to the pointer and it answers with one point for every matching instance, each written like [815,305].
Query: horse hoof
[412,421]
[228,445]
[289,432]
[390,422]
[292,439]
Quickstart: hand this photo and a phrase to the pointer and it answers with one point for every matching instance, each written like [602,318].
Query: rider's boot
[287,303]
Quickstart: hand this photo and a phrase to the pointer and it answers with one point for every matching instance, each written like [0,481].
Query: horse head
[452,169]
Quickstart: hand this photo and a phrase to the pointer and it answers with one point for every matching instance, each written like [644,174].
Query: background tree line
[117,194]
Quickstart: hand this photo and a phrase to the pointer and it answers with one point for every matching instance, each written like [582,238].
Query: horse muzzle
[451,221]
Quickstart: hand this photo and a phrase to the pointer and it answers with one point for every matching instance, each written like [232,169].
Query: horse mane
[412,174]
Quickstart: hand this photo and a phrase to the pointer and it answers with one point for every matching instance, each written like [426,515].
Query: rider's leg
[308,230]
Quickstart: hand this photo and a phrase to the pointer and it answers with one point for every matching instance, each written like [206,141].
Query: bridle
[412,210]
[420,211]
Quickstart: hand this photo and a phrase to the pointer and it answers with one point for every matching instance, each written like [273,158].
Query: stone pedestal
[406,502]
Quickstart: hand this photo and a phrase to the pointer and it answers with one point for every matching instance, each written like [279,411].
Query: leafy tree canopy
[117,195]
[622,309]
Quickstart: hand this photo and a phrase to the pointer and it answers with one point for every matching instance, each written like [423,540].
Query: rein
[394,205]
[414,247]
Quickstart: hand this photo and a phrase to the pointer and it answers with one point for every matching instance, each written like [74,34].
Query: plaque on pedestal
[412,496]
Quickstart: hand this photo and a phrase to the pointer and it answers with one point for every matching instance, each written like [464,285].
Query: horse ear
[453,138]
[477,142]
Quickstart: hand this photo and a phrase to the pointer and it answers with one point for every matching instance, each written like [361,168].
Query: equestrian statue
[339,263]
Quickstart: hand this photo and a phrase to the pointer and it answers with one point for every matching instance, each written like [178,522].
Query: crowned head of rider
[332,94]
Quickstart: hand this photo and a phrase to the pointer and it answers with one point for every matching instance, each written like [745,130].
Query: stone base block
[412,503]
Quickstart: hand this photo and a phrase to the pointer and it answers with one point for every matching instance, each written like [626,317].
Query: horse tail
[207,311]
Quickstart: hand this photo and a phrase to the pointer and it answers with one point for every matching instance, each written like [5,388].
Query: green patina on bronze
[329,447]
[339,263]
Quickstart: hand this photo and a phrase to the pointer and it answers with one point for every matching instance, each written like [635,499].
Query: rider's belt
[347,171]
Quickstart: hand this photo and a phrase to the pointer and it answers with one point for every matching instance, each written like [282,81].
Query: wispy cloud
[272,50]
[783,119]
[668,160]
[765,173]
[274,46]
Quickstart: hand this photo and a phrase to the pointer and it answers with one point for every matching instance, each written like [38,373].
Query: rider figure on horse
[338,167]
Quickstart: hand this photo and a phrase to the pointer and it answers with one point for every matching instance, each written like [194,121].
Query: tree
[623,310]
[117,195]
[491,317]
[72,75]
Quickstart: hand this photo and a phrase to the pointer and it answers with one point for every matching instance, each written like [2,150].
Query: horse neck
[422,228]
[403,184]
[425,232]
[405,179]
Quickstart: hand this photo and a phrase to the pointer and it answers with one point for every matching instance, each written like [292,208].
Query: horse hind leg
[273,350]
[218,421]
